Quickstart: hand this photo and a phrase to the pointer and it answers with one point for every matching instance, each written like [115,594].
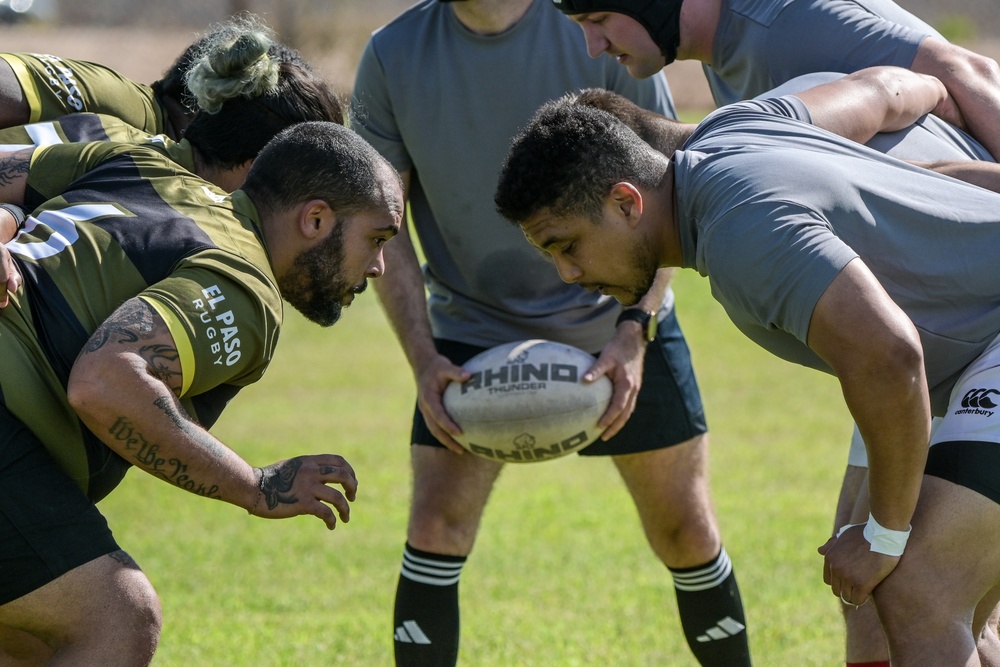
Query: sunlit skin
[617,256]
[624,39]
[330,274]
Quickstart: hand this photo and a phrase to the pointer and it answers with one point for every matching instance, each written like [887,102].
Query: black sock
[426,613]
[711,611]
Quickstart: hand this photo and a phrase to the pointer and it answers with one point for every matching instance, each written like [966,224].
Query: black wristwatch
[645,318]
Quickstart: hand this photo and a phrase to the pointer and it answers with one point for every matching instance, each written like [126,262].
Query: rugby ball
[526,402]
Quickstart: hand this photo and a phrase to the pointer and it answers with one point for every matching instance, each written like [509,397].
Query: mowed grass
[561,574]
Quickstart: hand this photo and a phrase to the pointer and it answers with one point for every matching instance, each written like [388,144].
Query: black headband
[660,18]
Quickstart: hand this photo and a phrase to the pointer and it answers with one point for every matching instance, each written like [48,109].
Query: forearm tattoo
[146,455]
[14,166]
[277,482]
[183,421]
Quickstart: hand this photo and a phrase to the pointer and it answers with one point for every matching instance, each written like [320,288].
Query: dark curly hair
[568,158]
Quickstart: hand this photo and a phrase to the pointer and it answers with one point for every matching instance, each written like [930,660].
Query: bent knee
[122,609]
[686,544]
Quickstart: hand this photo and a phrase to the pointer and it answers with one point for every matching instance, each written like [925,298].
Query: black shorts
[668,410]
[968,463]
[47,525]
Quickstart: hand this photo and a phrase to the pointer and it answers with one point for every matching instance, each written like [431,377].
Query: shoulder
[401,30]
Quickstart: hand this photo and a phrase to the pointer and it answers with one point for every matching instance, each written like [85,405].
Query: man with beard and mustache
[142,299]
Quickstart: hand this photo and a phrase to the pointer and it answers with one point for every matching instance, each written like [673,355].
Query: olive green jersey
[56,86]
[113,221]
[84,127]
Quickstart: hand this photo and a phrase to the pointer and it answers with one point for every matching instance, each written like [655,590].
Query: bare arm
[14,175]
[401,292]
[124,387]
[10,278]
[973,82]
[977,172]
[876,354]
[877,99]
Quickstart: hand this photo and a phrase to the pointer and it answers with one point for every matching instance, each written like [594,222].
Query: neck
[490,17]
[699,21]
[177,118]
[227,179]
[668,237]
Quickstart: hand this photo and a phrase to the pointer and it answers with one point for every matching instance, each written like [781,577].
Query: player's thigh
[108,598]
[671,479]
[951,563]
[21,649]
[670,489]
[450,492]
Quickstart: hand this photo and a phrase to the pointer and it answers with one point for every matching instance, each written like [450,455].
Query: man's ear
[316,219]
[627,201]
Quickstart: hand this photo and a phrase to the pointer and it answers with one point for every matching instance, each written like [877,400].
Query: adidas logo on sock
[727,627]
[410,633]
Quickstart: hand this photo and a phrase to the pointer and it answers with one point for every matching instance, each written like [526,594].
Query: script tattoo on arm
[278,480]
[133,322]
[181,420]
[146,454]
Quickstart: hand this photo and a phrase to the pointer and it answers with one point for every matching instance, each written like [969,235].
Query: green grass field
[561,574]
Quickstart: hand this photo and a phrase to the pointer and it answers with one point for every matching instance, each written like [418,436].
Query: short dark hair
[567,160]
[318,160]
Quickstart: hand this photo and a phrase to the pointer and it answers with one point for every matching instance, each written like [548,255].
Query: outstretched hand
[301,485]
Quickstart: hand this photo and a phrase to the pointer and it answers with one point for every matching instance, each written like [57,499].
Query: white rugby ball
[526,402]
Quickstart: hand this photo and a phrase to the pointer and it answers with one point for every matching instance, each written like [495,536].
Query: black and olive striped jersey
[85,127]
[55,86]
[111,221]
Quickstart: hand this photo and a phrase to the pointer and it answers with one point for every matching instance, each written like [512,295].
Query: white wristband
[883,540]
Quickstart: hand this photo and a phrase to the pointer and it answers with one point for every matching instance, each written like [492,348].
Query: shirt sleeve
[224,330]
[770,262]
[836,36]
[372,114]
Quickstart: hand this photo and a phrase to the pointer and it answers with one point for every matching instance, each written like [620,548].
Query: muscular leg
[13,107]
[670,490]
[449,495]
[21,649]
[865,641]
[951,564]
[104,612]
[984,625]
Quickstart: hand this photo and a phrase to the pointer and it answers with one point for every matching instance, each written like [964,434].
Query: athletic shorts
[47,525]
[965,447]
[56,86]
[668,410]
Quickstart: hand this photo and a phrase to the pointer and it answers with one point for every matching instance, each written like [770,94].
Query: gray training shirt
[445,107]
[761,44]
[773,223]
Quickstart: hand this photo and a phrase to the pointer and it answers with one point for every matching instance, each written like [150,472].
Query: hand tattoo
[278,481]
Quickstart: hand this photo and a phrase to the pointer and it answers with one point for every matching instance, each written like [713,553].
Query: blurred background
[141,38]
